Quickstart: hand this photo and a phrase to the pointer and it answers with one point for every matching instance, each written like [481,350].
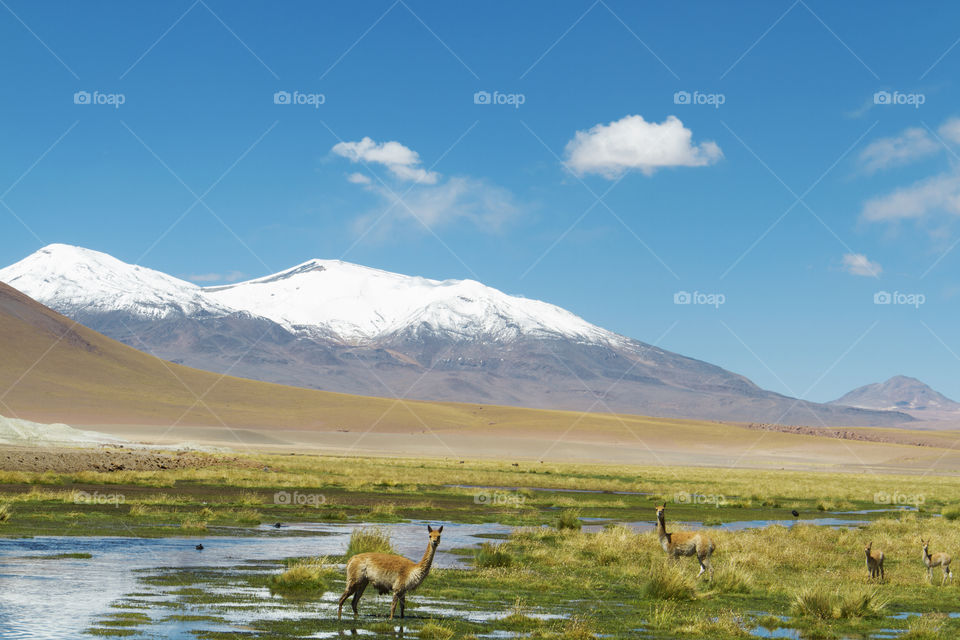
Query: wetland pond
[54,587]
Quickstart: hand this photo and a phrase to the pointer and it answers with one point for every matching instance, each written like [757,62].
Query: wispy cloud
[914,143]
[632,143]
[937,194]
[859,265]
[432,200]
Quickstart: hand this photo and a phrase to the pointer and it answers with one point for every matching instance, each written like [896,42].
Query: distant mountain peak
[900,393]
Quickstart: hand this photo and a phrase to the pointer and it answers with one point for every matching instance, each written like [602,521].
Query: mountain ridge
[341,327]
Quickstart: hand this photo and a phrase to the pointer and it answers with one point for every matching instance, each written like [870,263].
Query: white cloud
[857,264]
[940,193]
[358,178]
[633,143]
[403,162]
[912,144]
[950,130]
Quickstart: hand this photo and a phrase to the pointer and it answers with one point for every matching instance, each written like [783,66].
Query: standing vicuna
[388,573]
[941,560]
[685,543]
[874,561]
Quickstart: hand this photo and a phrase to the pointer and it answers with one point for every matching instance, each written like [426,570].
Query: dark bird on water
[278,525]
[796,514]
[199,547]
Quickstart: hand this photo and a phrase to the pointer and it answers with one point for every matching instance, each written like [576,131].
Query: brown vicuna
[389,574]
[686,543]
[874,562]
[941,560]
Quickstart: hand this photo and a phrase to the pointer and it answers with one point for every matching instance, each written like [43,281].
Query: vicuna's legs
[705,565]
[398,598]
[357,594]
[346,594]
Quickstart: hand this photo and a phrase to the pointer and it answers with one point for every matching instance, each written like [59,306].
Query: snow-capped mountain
[342,327]
[362,305]
[77,280]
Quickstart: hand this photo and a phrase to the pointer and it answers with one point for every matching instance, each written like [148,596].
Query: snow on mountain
[74,280]
[330,298]
[361,304]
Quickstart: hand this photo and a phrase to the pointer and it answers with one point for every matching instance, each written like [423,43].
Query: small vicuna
[941,560]
[388,573]
[874,561]
[685,543]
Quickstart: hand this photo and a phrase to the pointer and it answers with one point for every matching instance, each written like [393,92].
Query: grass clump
[367,540]
[492,556]
[569,519]
[435,631]
[925,627]
[951,512]
[309,576]
[194,525]
[5,512]
[732,578]
[667,582]
[820,605]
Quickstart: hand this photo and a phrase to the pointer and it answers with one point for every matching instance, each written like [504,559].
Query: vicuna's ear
[440,530]
[429,529]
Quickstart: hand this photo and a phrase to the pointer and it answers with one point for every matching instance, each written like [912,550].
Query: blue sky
[797,199]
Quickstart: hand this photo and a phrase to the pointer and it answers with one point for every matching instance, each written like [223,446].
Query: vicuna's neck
[661,528]
[423,567]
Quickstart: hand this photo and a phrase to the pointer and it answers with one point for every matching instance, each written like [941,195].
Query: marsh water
[52,598]
[60,598]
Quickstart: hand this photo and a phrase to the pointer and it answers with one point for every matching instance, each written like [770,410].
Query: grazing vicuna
[389,574]
[874,562]
[941,560]
[685,543]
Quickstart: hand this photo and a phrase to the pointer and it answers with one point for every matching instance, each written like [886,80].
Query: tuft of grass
[667,582]
[732,578]
[569,519]
[194,525]
[383,511]
[435,631]
[821,605]
[813,603]
[951,512]
[864,604]
[492,556]
[367,540]
[63,556]
[5,512]
[310,576]
[926,627]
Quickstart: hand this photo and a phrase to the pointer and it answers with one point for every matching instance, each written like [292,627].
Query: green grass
[492,556]
[369,540]
[569,519]
[311,576]
[63,556]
